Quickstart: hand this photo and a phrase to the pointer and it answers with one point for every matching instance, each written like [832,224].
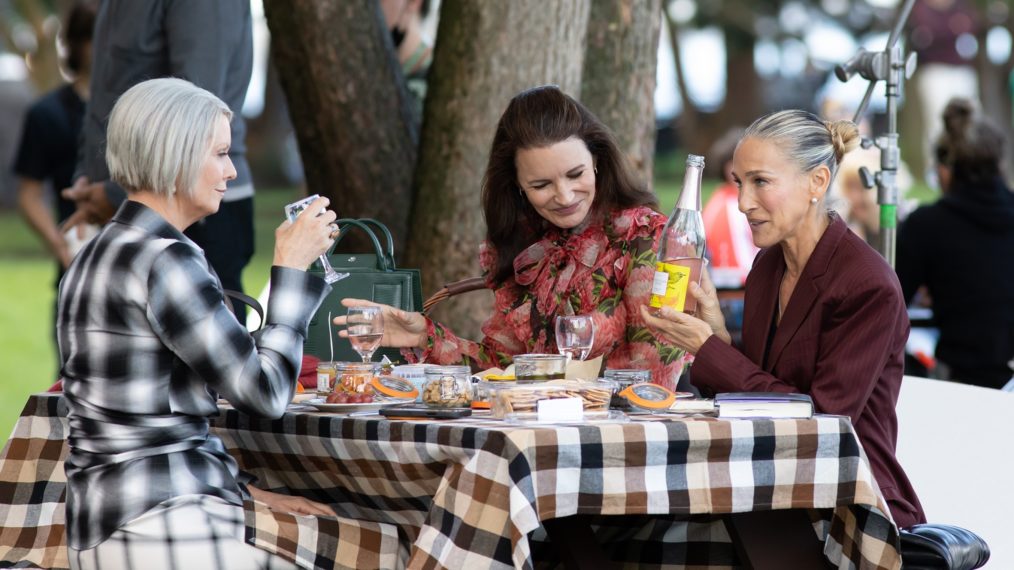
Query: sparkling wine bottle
[681,249]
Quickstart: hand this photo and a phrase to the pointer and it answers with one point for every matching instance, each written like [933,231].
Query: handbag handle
[387,235]
[385,263]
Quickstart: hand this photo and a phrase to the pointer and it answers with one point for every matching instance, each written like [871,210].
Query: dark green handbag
[372,276]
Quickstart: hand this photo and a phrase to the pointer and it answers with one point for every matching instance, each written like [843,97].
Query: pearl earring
[813,200]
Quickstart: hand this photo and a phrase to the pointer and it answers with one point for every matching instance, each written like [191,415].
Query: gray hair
[807,140]
[159,133]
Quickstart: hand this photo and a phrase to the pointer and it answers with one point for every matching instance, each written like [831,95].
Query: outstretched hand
[402,329]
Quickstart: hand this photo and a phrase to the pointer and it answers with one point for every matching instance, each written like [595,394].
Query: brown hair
[536,118]
[971,148]
[77,33]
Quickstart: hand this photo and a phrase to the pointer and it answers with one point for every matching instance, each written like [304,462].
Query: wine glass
[575,336]
[365,326]
[292,211]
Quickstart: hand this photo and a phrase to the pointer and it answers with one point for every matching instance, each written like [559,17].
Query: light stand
[891,66]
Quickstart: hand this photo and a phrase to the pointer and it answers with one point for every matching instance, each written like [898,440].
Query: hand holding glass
[291,213]
[365,327]
[575,336]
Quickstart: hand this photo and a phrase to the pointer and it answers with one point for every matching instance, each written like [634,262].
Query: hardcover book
[763,405]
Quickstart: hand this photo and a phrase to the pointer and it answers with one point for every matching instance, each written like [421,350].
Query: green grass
[27,351]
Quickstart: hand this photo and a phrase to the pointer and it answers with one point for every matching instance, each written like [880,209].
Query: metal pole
[890,66]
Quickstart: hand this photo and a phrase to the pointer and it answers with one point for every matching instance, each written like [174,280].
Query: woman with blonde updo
[823,314]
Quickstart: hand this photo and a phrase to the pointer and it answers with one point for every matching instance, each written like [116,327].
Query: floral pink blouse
[603,269]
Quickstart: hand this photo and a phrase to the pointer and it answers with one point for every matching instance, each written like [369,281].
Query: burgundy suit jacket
[841,340]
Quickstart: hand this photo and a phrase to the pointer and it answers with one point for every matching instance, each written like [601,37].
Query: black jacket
[962,249]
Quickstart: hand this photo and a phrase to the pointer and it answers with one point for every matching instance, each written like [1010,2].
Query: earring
[595,169]
[813,200]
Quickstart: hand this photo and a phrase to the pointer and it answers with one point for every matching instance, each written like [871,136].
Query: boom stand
[891,66]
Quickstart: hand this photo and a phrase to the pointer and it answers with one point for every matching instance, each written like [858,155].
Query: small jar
[539,367]
[355,377]
[482,395]
[326,373]
[448,387]
[624,378]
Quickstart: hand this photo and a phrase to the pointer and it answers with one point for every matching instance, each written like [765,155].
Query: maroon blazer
[841,340]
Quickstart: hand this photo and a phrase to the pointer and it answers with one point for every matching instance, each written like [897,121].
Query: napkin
[308,371]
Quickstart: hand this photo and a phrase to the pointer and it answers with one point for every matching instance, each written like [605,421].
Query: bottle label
[323,382]
[669,288]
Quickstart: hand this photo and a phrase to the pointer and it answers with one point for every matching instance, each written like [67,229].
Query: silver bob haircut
[159,133]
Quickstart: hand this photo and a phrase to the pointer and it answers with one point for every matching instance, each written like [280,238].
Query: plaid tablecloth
[33,484]
[472,493]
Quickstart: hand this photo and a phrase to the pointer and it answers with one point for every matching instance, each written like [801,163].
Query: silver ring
[333,228]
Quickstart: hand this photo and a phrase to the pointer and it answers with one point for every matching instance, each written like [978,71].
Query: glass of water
[365,326]
[575,336]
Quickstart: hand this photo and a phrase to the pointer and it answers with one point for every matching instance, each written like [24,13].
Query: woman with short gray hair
[147,343]
[823,313]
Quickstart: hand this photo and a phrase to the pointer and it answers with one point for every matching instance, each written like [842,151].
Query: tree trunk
[486,52]
[618,82]
[349,106]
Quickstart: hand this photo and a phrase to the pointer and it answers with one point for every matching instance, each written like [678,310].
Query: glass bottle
[680,255]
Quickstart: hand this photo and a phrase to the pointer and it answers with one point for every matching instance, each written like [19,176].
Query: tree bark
[349,106]
[485,53]
[618,81]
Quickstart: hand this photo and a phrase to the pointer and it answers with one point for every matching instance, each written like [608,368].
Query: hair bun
[844,137]
[957,116]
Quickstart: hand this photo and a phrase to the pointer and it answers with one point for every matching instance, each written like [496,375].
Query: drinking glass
[365,326]
[292,211]
[574,336]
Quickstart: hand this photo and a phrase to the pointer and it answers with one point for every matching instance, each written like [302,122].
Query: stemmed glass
[292,211]
[575,336]
[365,327]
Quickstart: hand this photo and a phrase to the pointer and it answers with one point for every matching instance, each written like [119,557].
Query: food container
[326,373]
[623,378]
[650,397]
[514,398]
[480,390]
[386,386]
[414,373]
[539,367]
[448,387]
[355,377]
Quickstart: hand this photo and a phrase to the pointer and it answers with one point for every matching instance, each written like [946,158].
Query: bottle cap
[695,160]
[394,387]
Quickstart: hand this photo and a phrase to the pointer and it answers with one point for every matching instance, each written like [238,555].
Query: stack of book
[763,405]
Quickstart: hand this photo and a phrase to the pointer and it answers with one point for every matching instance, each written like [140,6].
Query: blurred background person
[207,43]
[414,49]
[942,33]
[730,245]
[960,248]
[46,156]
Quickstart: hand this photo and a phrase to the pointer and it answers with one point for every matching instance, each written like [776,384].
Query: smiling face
[558,181]
[216,171]
[773,193]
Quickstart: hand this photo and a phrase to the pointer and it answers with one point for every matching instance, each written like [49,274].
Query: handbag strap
[387,236]
[385,262]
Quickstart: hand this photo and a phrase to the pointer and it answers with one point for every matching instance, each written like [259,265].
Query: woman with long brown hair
[569,231]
